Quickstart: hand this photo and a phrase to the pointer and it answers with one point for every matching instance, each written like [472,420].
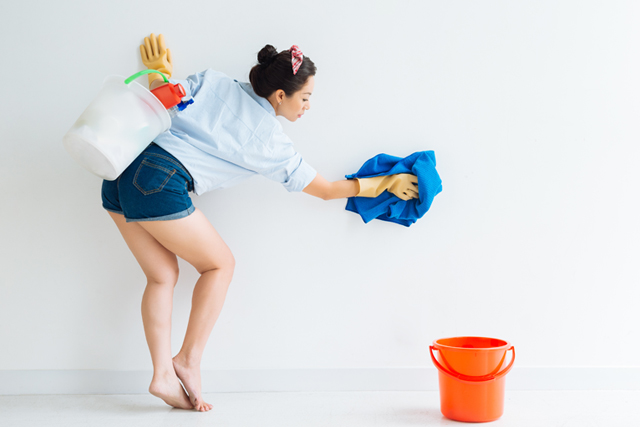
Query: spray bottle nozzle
[173,111]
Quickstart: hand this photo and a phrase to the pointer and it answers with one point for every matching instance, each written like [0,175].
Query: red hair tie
[296,58]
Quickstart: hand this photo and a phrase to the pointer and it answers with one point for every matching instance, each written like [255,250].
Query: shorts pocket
[151,177]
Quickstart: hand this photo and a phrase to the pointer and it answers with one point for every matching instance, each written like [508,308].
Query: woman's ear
[280,95]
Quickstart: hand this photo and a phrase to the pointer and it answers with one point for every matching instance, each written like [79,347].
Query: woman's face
[293,107]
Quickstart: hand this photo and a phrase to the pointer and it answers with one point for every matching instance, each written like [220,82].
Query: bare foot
[169,389]
[190,377]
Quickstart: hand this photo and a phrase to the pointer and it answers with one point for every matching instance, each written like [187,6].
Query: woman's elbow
[330,192]
[323,194]
[321,189]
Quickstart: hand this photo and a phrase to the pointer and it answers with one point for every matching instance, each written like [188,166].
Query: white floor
[307,409]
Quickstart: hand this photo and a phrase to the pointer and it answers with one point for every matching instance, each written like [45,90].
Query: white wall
[531,107]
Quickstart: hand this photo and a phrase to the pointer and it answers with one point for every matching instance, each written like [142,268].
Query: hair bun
[267,55]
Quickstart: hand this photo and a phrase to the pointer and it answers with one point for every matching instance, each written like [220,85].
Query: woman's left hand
[155,56]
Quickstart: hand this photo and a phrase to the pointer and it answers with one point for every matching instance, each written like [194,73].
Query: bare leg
[208,296]
[161,268]
[196,241]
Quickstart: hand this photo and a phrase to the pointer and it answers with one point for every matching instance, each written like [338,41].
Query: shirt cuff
[301,177]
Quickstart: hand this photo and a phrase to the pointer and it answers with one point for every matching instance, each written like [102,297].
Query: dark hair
[274,71]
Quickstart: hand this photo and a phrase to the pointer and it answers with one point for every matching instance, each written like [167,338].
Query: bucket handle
[469,378]
[142,73]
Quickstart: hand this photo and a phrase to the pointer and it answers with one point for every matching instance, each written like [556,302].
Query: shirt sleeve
[280,162]
[287,165]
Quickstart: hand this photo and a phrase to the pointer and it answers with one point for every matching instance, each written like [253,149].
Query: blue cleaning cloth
[387,206]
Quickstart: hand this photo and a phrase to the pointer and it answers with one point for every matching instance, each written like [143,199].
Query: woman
[228,134]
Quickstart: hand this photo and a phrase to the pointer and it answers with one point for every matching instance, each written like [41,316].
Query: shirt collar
[264,103]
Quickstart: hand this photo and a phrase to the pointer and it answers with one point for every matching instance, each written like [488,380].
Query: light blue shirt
[230,134]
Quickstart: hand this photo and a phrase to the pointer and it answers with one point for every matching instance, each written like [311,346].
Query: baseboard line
[16,382]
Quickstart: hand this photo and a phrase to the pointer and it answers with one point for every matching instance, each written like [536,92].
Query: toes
[204,407]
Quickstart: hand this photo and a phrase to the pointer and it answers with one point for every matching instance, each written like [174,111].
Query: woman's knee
[232,264]
[166,275]
[227,263]
[222,263]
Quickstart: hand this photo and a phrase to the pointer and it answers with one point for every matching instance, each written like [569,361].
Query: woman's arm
[326,190]
[402,185]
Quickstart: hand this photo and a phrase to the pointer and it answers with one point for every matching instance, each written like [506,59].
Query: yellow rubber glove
[155,56]
[403,185]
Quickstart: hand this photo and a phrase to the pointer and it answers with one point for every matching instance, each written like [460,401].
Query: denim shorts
[155,187]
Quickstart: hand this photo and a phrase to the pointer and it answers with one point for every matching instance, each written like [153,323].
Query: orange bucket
[471,373]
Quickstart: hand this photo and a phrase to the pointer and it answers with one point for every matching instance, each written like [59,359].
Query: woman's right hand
[402,185]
